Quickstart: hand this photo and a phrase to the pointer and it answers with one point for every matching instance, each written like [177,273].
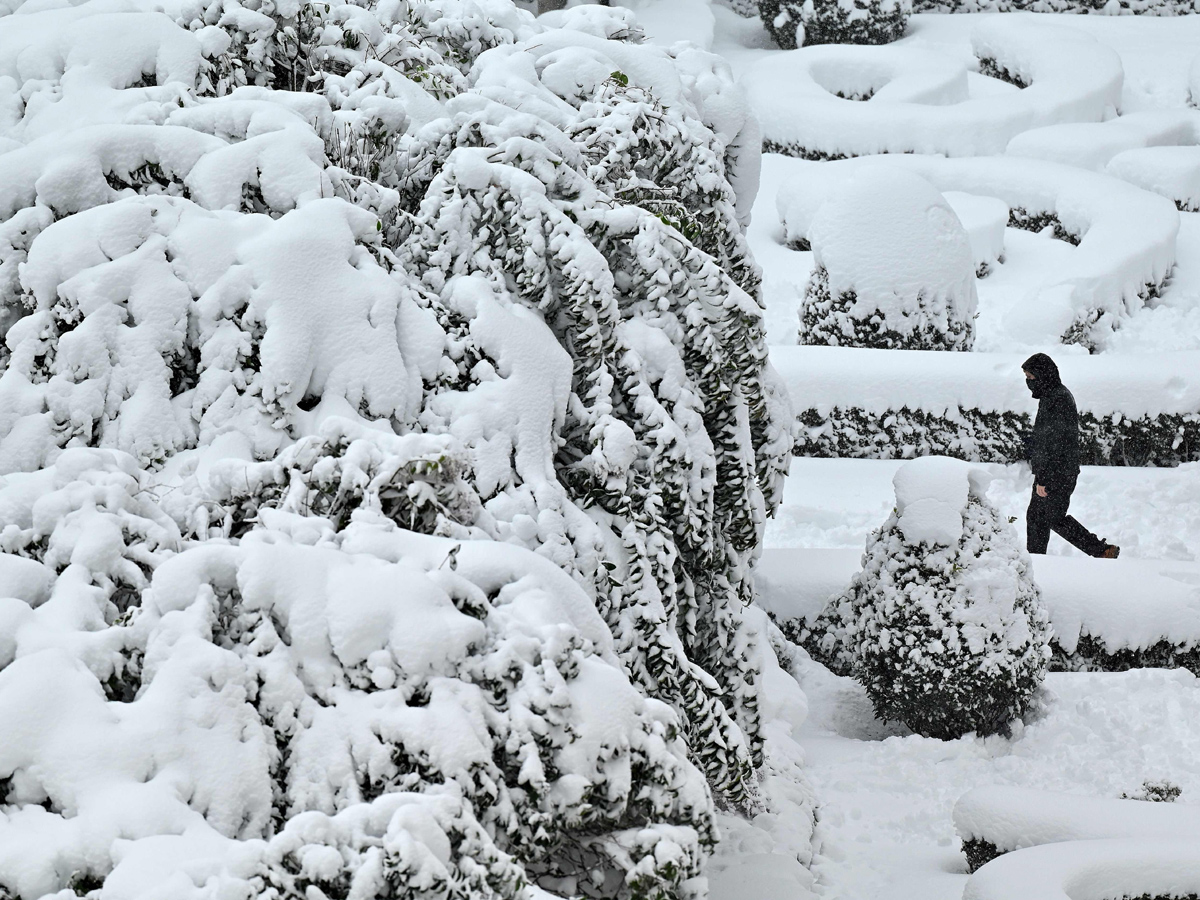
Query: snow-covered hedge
[888,404]
[1155,868]
[291,278]
[1090,145]
[995,820]
[1154,150]
[1095,627]
[984,219]
[813,22]
[1173,172]
[943,626]
[1066,74]
[1123,236]
[1085,7]
[894,268]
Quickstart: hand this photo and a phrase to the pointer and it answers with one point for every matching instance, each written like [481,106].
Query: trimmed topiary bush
[944,621]
[894,268]
[793,24]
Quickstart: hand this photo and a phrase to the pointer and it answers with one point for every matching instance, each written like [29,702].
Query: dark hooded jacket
[1054,444]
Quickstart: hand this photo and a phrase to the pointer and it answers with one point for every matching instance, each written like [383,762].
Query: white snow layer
[876,381]
[1126,235]
[931,495]
[1012,818]
[1173,172]
[1091,145]
[892,239]
[1071,77]
[1091,870]
[985,219]
[1125,604]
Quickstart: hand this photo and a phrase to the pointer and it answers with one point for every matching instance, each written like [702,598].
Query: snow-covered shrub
[792,24]
[398,715]
[944,621]
[431,266]
[893,268]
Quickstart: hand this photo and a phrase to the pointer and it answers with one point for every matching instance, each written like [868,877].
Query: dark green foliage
[828,22]
[1167,439]
[833,321]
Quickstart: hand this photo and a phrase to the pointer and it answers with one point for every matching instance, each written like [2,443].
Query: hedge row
[1082,7]
[1167,439]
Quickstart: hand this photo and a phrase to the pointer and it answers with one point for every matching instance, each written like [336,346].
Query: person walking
[1054,456]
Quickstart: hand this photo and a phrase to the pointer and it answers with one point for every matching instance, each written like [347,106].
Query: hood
[1044,372]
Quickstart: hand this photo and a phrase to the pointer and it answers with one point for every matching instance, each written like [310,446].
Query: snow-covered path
[1150,513]
[885,797]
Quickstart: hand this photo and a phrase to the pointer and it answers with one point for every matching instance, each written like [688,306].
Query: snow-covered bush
[304,281]
[894,268]
[944,621]
[995,820]
[401,715]
[792,24]
[1124,237]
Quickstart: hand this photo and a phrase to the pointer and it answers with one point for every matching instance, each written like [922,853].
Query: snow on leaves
[386,404]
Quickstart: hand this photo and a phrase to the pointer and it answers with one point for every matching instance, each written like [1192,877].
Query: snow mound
[1124,236]
[1091,145]
[1067,74]
[1173,172]
[931,494]
[1012,818]
[1091,870]
[985,219]
[894,266]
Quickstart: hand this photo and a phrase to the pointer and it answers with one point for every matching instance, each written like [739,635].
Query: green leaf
[620,78]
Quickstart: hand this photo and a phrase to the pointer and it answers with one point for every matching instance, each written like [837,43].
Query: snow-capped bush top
[1125,236]
[1194,81]
[931,494]
[1011,817]
[890,237]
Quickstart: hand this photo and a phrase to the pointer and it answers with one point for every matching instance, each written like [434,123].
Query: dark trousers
[1046,514]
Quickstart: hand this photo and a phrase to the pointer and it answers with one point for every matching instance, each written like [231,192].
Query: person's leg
[1068,527]
[1071,531]
[1037,525]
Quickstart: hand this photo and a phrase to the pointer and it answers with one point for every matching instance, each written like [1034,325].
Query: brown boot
[1111,551]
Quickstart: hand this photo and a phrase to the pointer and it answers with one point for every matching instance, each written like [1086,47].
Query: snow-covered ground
[1150,513]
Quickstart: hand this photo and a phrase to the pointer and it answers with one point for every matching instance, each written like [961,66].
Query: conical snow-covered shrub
[944,622]
[893,268]
[793,23]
